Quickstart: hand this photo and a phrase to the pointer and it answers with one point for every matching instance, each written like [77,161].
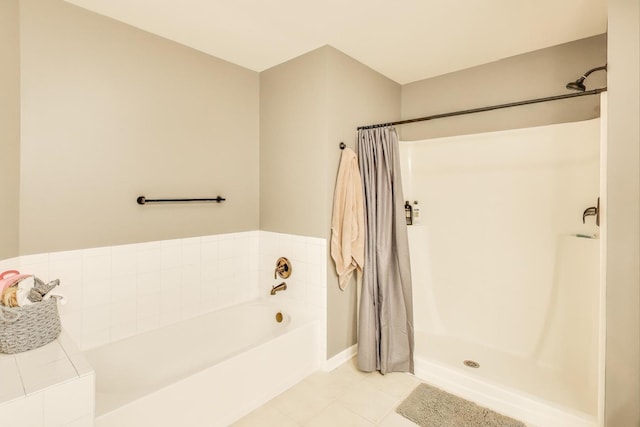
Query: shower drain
[471,363]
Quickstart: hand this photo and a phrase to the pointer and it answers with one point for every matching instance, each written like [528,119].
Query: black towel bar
[143,200]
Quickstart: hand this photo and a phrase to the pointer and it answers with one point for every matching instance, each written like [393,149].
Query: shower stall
[506,270]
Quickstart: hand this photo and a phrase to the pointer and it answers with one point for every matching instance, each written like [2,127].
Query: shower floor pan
[506,383]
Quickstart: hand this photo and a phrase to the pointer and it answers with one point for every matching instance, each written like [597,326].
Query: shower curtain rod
[489,108]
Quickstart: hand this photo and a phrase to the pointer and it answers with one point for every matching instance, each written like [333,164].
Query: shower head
[579,84]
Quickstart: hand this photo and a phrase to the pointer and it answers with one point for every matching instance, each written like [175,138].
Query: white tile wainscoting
[117,291]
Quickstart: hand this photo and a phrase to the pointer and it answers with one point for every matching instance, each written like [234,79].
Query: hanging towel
[347,223]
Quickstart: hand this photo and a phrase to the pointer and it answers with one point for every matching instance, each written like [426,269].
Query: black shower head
[579,84]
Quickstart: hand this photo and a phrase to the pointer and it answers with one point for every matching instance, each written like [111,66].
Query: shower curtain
[385,318]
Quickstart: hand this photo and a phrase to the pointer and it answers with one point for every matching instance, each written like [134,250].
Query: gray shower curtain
[385,318]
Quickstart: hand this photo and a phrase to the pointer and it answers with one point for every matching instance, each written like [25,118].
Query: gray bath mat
[431,407]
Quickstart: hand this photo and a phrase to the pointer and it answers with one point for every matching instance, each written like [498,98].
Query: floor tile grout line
[345,406]
[296,421]
[287,416]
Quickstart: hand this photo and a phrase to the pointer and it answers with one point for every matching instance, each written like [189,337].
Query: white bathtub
[206,371]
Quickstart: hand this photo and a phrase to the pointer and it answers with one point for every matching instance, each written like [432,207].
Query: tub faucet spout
[281,287]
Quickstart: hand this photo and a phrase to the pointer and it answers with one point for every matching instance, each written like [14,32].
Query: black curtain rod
[489,108]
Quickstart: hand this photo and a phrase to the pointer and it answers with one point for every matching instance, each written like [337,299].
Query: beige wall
[110,112]
[532,75]
[308,105]
[9,128]
[357,96]
[293,146]
[622,391]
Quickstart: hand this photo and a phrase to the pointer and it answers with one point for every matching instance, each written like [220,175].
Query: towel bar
[143,200]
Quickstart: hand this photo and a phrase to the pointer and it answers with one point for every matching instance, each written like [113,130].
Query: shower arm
[602,67]
[578,85]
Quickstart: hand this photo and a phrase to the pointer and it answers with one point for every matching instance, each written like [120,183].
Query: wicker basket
[29,327]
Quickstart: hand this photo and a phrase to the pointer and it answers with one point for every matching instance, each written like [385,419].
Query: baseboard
[340,358]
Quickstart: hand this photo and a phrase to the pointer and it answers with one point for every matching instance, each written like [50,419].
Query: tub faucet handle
[283,268]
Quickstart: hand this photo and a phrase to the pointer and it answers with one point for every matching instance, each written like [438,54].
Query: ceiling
[406,40]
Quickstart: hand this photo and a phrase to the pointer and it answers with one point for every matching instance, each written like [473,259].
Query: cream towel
[347,223]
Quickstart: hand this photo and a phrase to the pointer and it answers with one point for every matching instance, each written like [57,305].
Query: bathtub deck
[52,385]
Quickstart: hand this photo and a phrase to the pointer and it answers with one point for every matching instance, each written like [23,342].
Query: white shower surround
[499,276]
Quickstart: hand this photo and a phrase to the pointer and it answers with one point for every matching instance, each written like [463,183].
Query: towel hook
[342,145]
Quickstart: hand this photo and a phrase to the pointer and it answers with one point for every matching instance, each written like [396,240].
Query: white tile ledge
[34,371]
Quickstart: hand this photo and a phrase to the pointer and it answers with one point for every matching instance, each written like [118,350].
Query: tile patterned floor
[341,398]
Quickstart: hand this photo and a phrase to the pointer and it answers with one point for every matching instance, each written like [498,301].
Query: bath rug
[431,407]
